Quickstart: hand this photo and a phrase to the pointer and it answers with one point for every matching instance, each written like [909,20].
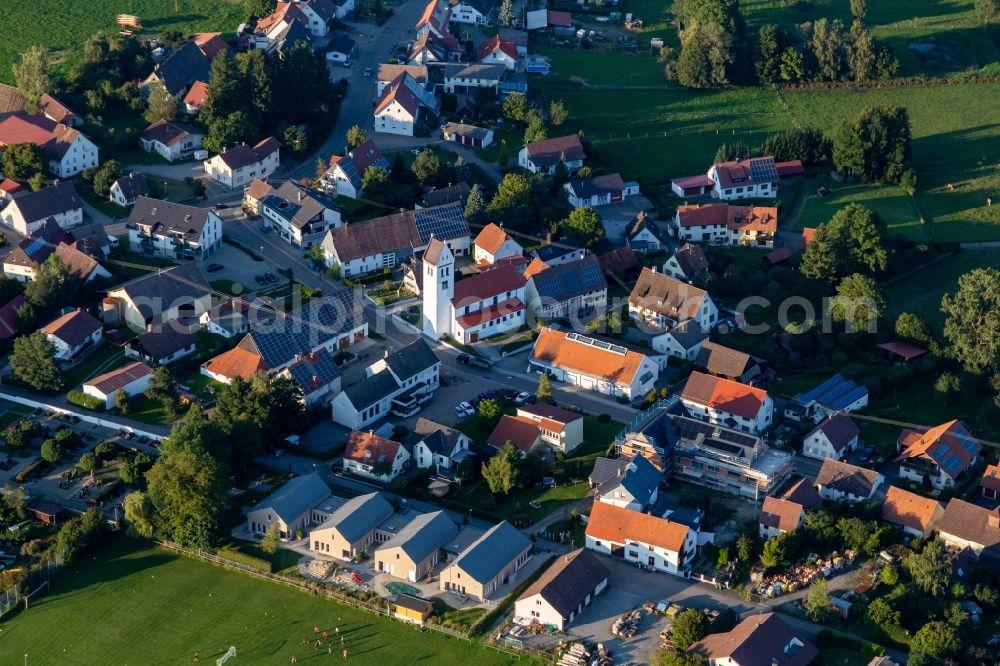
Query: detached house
[172,141]
[291,507]
[492,244]
[523,433]
[351,529]
[719,361]
[188,64]
[24,260]
[563,591]
[576,290]
[414,551]
[780,515]
[640,538]
[917,515]
[27,213]
[239,166]
[642,235]
[635,487]
[728,403]
[346,174]
[466,79]
[438,445]
[397,110]
[559,428]
[172,230]
[300,216]
[161,347]
[593,364]
[490,561]
[55,110]
[468,135]
[833,439]
[434,19]
[73,333]
[473,12]
[132,378]
[842,482]
[663,302]
[430,48]
[940,455]
[759,640]
[497,51]
[687,263]
[543,156]
[157,298]
[374,457]
[725,224]
[67,150]
[964,525]
[127,189]
[195,98]
[990,483]
[599,190]
[757,177]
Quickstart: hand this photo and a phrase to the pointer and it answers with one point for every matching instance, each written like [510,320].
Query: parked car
[259,279]
[464,409]
[522,398]
[278,453]
[270,277]
[464,359]
[220,206]
[214,268]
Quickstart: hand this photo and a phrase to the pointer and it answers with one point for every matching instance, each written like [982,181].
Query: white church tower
[438,288]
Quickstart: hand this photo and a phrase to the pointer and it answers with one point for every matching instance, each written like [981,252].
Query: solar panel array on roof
[965,440]
[762,169]
[835,393]
[952,464]
[445,222]
[727,440]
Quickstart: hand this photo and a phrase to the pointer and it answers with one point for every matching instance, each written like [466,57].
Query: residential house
[459,192]
[522,432]
[466,79]
[554,253]
[172,230]
[397,384]
[938,455]
[834,438]
[493,243]
[188,64]
[172,141]
[725,224]
[726,402]
[239,166]
[468,135]
[387,73]
[350,529]
[642,234]
[162,346]
[662,302]
[593,364]
[965,525]
[56,111]
[560,594]
[758,640]
[757,177]
[316,374]
[990,483]
[133,378]
[577,290]
[842,482]
[559,428]
[917,515]
[179,292]
[683,340]
[642,539]
[478,307]
[367,247]
[635,487]
[414,551]
[285,26]
[127,189]
[229,365]
[340,48]
[780,515]
[67,150]
[719,361]
[27,213]
[436,445]
[543,156]
[397,110]
[599,190]
[9,188]
[434,19]
[291,507]
[687,263]
[496,51]
[10,324]
[300,216]
[374,457]
[73,333]
[836,394]
[195,98]
[473,12]
[235,317]
[490,561]
[432,49]
[346,174]
[517,37]
[28,256]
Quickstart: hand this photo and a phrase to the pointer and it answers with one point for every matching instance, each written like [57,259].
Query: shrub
[86,401]
[31,470]
[240,557]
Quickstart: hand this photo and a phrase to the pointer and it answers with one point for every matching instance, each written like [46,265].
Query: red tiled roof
[509,306]
[210,43]
[10,186]
[789,168]
[550,413]
[236,362]
[9,323]
[991,478]
[759,640]
[397,91]
[118,378]
[494,44]
[490,283]
[73,327]
[553,347]
[19,128]
[807,235]
[667,296]
[940,445]
[550,151]
[750,218]
[520,431]
[778,256]
[692,181]
[909,509]
[491,238]
[691,259]
[614,524]
[197,95]
[369,449]
[780,513]
[723,394]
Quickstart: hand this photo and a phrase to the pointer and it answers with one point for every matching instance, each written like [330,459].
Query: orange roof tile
[724,394]
[750,218]
[614,524]
[991,478]
[553,347]
[237,362]
[909,509]
[781,513]
[521,431]
[534,268]
[197,95]
[369,449]
[491,238]
[949,445]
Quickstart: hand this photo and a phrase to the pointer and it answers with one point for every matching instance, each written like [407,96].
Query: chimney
[153,212]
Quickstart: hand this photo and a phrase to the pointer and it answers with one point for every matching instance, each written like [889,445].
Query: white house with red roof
[940,454]
[724,224]
[398,109]
[727,403]
[434,19]
[374,457]
[132,378]
[73,333]
[241,165]
[557,427]
[68,151]
[544,156]
[195,97]
[345,175]
[493,244]
[757,177]
[497,51]
[472,309]
[641,538]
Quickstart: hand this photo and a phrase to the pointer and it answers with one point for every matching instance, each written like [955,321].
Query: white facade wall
[394,119]
[361,469]
[756,425]
[133,388]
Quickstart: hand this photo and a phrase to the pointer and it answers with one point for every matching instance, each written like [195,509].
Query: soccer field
[134,605]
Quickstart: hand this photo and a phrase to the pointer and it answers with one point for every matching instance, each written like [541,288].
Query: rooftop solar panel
[849,398]
[446,222]
[762,169]
[966,441]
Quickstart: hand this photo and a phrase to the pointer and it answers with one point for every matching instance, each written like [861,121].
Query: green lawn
[65,24]
[170,190]
[148,410]
[890,202]
[598,68]
[104,359]
[137,605]
[960,147]
[921,292]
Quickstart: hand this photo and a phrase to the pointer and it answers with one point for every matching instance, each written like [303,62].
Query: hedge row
[882,84]
[240,557]
[31,470]
[81,399]
[829,638]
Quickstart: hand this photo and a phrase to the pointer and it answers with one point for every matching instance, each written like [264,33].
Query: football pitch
[130,604]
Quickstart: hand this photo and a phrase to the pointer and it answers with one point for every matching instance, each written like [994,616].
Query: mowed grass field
[892,204]
[63,25]
[134,605]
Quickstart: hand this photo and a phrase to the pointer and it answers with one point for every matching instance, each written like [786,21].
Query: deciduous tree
[139,514]
[515,108]
[355,137]
[874,145]
[269,542]
[932,643]
[931,568]
[859,303]
[557,112]
[51,451]
[507,15]
[375,185]
[163,387]
[972,325]
[31,76]
[187,488]
[501,471]
[544,391]
[818,599]
[33,362]
[987,10]
[105,176]
[161,106]
[21,161]
[584,225]
[689,626]
[258,8]
[427,167]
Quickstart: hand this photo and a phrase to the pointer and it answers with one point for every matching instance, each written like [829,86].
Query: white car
[522,398]
[464,409]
